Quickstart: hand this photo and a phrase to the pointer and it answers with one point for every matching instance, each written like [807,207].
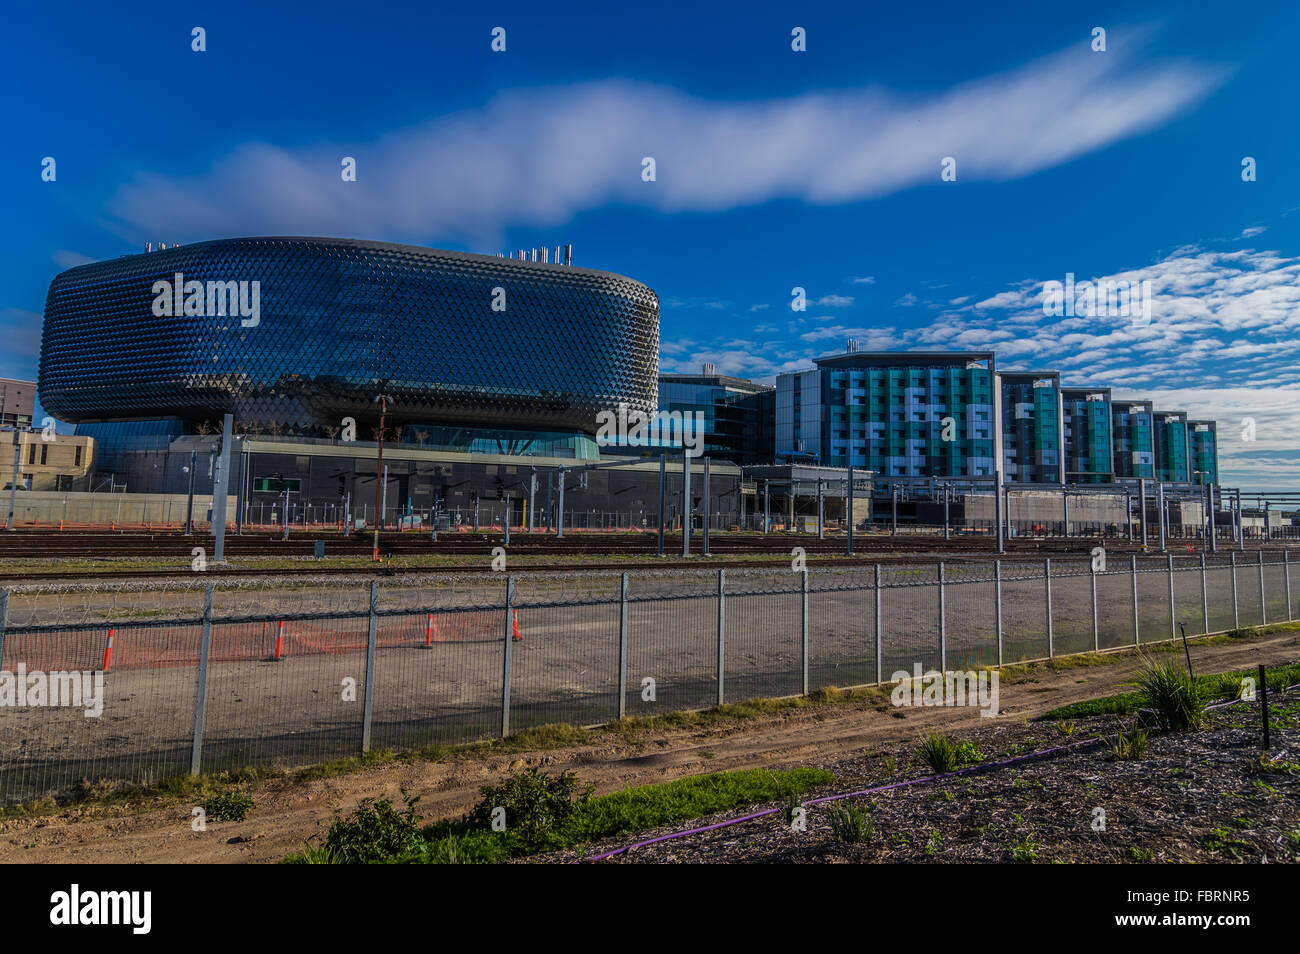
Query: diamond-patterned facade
[341,320]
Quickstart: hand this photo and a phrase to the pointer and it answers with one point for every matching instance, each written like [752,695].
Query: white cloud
[66,259]
[834,301]
[538,157]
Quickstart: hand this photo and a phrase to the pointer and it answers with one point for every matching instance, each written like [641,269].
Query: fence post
[622,649]
[879,620]
[803,625]
[997,602]
[1236,619]
[1205,598]
[372,631]
[943,624]
[1137,629]
[722,631]
[1263,603]
[201,691]
[1173,616]
[505,665]
[4,621]
[1047,580]
[1096,630]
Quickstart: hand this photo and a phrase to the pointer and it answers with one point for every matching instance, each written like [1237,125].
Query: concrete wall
[48,508]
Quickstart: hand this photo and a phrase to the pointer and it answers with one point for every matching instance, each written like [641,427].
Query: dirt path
[286,816]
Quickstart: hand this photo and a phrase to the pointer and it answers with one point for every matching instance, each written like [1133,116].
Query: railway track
[16,548]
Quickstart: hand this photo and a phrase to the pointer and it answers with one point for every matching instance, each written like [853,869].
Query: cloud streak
[541,156]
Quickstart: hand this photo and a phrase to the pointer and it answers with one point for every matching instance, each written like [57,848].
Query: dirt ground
[286,816]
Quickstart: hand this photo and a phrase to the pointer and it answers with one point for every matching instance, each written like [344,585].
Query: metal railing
[295,675]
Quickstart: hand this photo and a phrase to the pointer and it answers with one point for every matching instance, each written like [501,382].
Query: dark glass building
[739,415]
[293,335]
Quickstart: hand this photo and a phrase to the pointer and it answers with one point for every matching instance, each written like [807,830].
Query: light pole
[382,400]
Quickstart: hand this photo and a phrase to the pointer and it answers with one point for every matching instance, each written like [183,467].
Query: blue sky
[775,169]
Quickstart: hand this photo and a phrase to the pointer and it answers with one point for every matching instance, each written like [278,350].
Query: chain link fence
[136,682]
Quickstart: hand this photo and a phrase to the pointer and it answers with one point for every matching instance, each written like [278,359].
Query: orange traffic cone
[279,642]
[108,650]
[515,626]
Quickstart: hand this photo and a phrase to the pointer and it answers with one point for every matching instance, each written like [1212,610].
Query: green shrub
[1172,694]
[538,808]
[1025,851]
[851,824]
[228,806]
[940,752]
[944,755]
[374,832]
[1129,745]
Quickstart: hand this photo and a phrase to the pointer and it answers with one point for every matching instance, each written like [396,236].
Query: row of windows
[45,453]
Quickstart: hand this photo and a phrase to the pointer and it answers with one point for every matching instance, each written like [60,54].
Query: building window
[31,454]
[276,485]
[45,448]
[77,462]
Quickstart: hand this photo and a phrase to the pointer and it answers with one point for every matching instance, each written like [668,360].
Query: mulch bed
[1194,797]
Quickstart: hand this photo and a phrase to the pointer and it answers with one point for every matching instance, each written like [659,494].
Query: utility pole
[849,476]
[532,499]
[821,529]
[13,486]
[686,503]
[189,496]
[704,532]
[663,468]
[559,477]
[997,508]
[383,400]
[220,488]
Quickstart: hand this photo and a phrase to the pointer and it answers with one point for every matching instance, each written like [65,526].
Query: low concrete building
[58,462]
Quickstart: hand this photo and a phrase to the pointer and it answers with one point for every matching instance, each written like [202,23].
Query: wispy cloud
[540,156]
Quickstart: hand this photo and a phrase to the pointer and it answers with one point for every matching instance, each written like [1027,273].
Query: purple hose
[983,767]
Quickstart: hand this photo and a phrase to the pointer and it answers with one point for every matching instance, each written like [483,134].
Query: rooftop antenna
[546,253]
[557,255]
[568,254]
